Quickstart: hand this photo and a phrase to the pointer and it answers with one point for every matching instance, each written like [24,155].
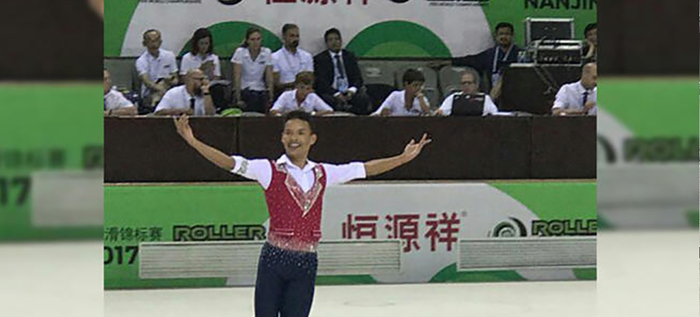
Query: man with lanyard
[294,189]
[493,61]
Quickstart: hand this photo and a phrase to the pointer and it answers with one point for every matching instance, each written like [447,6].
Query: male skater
[294,189]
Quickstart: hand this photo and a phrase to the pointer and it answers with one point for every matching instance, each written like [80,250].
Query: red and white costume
[294,196]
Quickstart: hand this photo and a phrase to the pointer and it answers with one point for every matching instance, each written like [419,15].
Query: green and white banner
[386,28]
[429,219]
[51,160]
[648,152]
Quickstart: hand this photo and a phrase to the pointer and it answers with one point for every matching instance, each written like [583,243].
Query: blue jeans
[285,282]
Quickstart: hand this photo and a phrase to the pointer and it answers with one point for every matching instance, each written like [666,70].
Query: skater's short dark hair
[300,115]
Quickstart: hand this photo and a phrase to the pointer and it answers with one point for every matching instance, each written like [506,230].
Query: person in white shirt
[408,102]
[290,60]
[579,98]
[201,56]
[469,80]
[253,84]
[301,98]
[294,189]
[115,104]
[191,98]
[157,69]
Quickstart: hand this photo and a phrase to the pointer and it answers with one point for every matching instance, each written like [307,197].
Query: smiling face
[297,139]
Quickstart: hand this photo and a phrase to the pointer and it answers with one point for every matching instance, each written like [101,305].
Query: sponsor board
[50,179]
[647,154]
[429,219]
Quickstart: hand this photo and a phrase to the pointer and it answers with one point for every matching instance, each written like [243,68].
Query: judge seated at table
[579,98]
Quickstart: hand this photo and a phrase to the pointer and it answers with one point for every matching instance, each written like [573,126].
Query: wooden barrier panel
[463,148]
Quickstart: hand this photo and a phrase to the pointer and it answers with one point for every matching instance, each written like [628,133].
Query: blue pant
[285,282]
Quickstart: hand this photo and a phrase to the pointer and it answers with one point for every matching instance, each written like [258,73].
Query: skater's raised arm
[215,156]
[410,152]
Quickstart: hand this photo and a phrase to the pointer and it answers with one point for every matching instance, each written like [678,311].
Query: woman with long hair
[201,56]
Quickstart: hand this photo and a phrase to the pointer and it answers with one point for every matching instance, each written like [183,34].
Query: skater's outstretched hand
[410,152]
[183,127]
[212,154]
[412,149]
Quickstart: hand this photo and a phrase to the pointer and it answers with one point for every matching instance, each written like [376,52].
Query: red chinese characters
[447,233]
[404,227]
[357,227]
[407,227]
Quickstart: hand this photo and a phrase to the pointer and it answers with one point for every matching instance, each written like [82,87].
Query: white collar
[289,52]
[580,85]
[285,160]
[206,56]
[187,94]
[160,53]
[294,96]
[340,53]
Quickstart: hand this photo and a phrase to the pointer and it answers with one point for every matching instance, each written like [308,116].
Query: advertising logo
[509,229]
[557,227]
[218,232]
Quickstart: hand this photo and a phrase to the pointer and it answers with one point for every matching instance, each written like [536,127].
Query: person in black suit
[492,62]
[338,78]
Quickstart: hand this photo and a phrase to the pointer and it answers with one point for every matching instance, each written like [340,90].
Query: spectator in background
[493,61]
[579,98]
[156,68]
[201,55]
[338,77]
[407,102]
[470,85]
[191,98]
[301,98]
[252,74]
[115,104]
[290,60]
[590,47]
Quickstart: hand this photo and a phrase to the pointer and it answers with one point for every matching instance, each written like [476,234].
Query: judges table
[532,88]
[148,149]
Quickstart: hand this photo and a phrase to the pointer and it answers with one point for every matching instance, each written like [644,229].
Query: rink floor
[649,274]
